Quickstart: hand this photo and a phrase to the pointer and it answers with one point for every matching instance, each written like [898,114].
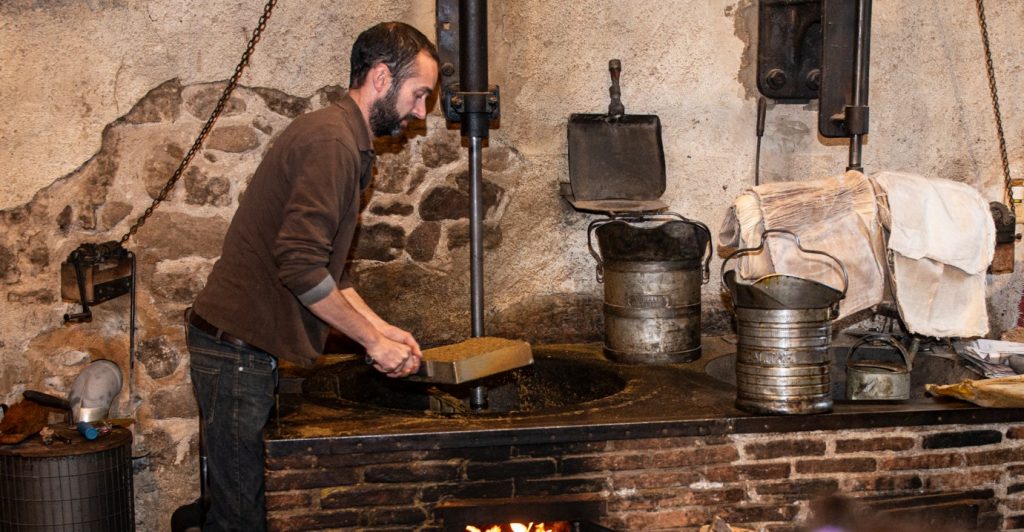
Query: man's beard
[384,119]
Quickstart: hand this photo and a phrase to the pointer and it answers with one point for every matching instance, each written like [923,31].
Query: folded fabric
[938,219]
[941,241]
[741,228]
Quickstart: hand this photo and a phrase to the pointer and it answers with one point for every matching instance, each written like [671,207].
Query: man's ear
[380,77]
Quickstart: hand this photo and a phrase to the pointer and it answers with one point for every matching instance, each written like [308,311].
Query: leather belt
[199,323]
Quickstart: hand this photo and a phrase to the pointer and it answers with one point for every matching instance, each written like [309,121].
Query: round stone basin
[549,384]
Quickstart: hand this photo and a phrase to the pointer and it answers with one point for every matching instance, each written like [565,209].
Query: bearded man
[280,283]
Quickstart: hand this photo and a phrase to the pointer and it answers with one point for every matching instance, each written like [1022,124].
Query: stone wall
[409,257]
[757,481]
[101,101]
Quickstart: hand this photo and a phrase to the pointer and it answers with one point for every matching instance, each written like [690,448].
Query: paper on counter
[989,357]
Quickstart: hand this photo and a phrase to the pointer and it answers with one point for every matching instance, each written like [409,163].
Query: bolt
[447,69]
[814,79]
[775,79]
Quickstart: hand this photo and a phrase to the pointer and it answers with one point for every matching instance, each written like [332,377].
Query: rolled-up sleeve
[324,176]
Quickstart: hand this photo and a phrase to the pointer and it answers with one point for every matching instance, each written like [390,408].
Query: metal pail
[877,380]
[652,278]
[784,330]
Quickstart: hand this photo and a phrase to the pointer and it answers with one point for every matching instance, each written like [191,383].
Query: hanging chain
[217,110]
[995,106]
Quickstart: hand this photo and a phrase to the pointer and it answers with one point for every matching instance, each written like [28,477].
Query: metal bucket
[878,380]
[784,329]
[652,278]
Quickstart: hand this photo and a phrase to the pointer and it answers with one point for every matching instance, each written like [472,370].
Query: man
[279,284]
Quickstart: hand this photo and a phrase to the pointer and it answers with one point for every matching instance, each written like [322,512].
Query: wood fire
[558,526]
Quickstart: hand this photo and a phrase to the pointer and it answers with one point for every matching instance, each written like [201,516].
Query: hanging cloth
[941,242]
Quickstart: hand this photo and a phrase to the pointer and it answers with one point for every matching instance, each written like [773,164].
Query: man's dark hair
[395,44]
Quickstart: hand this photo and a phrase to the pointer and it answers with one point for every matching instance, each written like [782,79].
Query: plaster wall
[102,98]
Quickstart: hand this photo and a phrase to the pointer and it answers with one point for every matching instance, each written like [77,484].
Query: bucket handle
[908,358]
[796,238]
[671,216]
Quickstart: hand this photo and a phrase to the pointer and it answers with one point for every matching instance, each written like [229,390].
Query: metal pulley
[94,273]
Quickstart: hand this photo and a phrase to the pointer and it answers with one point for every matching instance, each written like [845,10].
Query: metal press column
[474,91]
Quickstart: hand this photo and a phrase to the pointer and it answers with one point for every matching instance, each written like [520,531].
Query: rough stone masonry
[414,234]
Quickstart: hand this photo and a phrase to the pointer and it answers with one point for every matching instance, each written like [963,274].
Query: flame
[515,527]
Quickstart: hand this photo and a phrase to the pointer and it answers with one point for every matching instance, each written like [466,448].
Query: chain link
[995,106]
[217,110]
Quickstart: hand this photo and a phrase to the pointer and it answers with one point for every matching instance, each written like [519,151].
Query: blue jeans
[235,390]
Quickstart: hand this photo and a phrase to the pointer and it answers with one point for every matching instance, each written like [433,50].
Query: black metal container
[82,486]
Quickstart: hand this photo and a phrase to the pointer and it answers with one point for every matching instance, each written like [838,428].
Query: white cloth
[837,215]
[942,240]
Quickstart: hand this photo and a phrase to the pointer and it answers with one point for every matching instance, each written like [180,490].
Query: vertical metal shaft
[474,90]
[473,86]
[476,251]
[859,53]
[478,398]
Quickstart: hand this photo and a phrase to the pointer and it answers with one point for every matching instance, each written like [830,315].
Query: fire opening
[554,513]
[557,526]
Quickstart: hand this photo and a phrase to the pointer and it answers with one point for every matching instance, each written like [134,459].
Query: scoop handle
[615,108]
[46,399]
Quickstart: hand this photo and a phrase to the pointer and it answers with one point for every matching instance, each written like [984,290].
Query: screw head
[776,79]
[814,79]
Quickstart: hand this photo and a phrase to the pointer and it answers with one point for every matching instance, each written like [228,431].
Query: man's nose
[420,109]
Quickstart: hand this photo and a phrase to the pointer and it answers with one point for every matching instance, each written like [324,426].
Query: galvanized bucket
[784,329]
[652,278]
[878,380]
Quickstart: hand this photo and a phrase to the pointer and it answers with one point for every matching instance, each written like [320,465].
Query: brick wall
[760,481]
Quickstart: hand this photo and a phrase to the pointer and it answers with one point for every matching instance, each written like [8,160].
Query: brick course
[785,447]
[758,481]
[873,445]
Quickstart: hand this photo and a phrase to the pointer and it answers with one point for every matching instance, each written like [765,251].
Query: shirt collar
[362,135]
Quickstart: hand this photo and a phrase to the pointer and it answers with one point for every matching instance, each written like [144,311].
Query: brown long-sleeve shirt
[287,244]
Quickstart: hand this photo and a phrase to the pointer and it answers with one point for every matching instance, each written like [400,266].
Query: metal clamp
[796,238]
[672,216]
[455,102]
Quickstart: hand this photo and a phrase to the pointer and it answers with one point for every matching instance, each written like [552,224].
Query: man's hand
[392,351]
[392,358]
[401,336]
